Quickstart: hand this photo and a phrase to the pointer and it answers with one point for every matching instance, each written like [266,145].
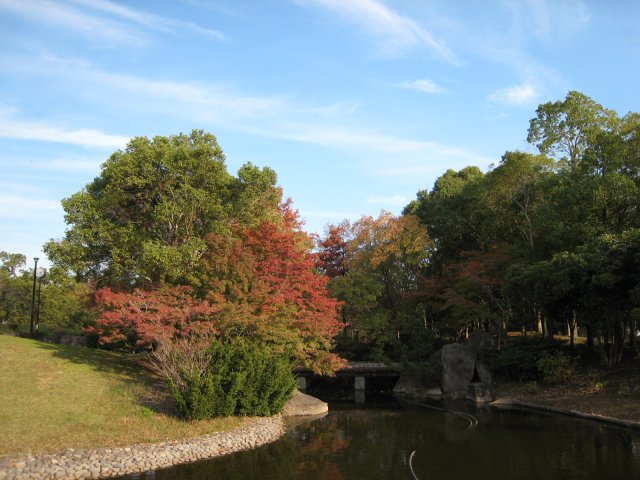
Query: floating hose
[415,477]
[473,421]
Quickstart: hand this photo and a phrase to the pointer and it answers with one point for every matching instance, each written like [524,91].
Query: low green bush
[518,360]
[221,378]
[557,368]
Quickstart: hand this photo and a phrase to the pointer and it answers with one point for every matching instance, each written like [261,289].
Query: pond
[355,442]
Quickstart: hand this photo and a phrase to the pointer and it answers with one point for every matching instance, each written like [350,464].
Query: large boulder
[458,366]
[303,404]
[480,340]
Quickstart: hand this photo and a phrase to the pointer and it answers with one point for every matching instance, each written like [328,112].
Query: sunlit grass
[54,397]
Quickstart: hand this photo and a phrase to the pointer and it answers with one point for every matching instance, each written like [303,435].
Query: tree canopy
[145,218]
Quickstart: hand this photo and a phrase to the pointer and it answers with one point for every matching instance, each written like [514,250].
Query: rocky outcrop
[458,367]
[460,373]
[303,404]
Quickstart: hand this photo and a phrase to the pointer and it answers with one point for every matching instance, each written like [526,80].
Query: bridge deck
[363,368]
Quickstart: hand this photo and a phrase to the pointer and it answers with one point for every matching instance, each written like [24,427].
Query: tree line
[165,244]
[546,241]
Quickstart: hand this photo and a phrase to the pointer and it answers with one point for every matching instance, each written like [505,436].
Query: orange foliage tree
[265,282]
[141,318]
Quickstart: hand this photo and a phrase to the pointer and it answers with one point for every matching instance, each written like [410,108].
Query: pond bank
[110,462]
[612,398]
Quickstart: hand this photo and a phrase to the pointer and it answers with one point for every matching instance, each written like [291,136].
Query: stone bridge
[358,370]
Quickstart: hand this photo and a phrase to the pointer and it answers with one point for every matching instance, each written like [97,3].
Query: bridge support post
[302,383]
[359,383]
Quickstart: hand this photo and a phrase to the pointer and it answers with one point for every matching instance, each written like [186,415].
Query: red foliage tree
[332,250]
[266,279]
[139,319]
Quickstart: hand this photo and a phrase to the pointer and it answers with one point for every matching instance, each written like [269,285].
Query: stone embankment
[110,462]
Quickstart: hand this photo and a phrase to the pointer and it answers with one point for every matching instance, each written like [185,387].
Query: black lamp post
[40,272]
[33,295]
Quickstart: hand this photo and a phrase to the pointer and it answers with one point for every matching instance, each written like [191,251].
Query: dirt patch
[614,394]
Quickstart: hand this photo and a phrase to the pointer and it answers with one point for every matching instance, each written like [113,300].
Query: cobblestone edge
[75,464]
[512,402]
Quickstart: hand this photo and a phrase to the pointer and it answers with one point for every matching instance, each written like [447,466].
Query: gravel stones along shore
[110,462]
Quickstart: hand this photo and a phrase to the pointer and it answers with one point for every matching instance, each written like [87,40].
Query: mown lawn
[54,397]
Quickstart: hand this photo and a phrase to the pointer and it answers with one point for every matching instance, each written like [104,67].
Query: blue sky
[357,104]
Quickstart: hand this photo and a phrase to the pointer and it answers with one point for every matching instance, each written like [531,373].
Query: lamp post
[33,295]
[40,272]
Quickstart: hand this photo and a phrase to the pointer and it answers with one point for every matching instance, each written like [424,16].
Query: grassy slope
[54,397]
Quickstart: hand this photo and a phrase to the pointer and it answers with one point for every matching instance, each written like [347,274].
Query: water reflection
[376,444]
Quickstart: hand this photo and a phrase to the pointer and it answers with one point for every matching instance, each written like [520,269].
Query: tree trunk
[539,321]
[590,344]
[633,339]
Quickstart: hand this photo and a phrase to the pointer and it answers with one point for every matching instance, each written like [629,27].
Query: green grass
[54,397]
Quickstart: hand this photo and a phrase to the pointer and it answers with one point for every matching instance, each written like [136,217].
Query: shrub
[209,378]
[558,368]
[518,360]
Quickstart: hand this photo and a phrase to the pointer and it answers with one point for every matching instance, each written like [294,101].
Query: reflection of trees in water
[377,444]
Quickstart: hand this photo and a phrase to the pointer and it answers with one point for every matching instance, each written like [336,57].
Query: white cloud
[206,104]
[395,200]
[396,32]
[102,20]
[69,18]
[148,20]
[19,206]
[424,85]
[67,164]
[518,95]
[316,214]
[12,127]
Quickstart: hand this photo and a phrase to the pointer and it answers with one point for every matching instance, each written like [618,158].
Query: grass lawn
[54,397]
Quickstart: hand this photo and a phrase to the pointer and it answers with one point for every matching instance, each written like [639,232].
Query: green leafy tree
[516,194]
[15,291]
[382,258]
[565,129]
[145,218]
[453,213]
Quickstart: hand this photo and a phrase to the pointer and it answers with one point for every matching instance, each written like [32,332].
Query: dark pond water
[377,443]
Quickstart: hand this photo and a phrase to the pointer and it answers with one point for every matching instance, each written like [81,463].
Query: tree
[145,218]
[453,213]
[15,288]
[565,129]
[332,250]
[516,193]
[265,282]
[381,261]
[140,319]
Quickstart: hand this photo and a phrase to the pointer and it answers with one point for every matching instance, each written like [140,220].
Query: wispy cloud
[147,20]
[518,95]
[547,19]
[336,214]
[424,85]
[396,32]
[17,206]
[395,200]
[13,127]
[102,20]
[332,126]
[68,164]
[71,19]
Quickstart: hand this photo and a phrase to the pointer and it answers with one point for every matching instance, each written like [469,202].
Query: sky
[356,104]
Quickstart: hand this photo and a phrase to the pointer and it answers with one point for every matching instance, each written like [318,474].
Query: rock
[458,366]
[303,404]
[479,392]
[484,374]
[479,340]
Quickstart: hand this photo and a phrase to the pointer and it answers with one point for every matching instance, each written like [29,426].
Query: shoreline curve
[99,463]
